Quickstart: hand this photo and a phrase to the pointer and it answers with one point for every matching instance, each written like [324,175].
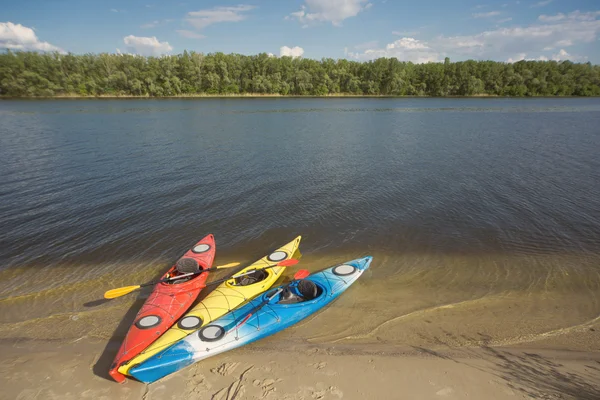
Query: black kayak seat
[187,265]
[305,290]
[252,278]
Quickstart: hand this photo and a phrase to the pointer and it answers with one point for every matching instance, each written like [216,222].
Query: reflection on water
[483,215]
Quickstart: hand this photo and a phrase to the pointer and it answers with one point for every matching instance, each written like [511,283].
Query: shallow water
[483,215]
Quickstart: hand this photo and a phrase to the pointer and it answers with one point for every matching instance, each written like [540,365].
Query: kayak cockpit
[250,279]
[185,267]
[300,291]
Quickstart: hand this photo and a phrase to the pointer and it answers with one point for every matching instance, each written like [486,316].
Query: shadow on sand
[529,373]
[112,346]
[114,343]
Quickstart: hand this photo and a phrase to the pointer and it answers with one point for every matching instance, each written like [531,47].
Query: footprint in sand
[320,365]
[320,394]
[445,391]
[198,384]
[225,369]
[267,386]
[235,391]
[336,392]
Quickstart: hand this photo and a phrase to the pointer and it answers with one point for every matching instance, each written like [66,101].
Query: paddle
[122,291]
[114,293]
[303,273]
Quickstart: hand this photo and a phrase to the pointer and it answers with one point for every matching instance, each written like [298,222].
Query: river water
[483,215]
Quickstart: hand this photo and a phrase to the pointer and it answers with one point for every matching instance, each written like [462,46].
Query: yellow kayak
[226,297]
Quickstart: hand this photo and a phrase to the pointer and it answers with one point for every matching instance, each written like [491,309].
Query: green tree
[29,74]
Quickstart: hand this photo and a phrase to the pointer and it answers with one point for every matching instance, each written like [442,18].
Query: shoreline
[77,369]
[275,95]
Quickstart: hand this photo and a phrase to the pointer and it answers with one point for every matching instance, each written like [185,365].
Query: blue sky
[418,31]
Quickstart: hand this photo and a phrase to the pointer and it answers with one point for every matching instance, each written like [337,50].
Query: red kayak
[167,303]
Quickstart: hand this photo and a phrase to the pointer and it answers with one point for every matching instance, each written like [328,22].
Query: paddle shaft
[179,276]
[114,293]
[283,264]
[261,305]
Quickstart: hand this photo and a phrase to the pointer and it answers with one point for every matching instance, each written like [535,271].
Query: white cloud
[486,15]
[522,56]
[503,20]
[576,27]
[404,49]
[203,18]
[504,5]
[149,25]
[146,46]
[156,23]
[501,43]
[190,34]
[117,11]
[407,43]
[334,11]
[585,16]
[291,52]
[541,3]
[552,18]
[19,37]
[405,33]
[564,43]
[517,58]
[562,55]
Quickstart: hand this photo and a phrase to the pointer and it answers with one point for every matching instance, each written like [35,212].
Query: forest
[32,74]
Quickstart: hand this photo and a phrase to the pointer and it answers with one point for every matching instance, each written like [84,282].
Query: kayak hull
[164,306]
[228,332]
[224,298]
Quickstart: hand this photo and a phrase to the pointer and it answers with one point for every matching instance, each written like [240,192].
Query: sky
[418,31]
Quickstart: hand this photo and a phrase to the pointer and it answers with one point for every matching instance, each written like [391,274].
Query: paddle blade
[288,263]
[114,293]
[234,264]
[303,273]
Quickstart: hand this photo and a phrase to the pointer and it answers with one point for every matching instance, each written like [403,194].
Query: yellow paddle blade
[113,293]
[234,264]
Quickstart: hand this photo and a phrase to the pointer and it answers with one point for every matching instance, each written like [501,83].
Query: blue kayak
[266,314]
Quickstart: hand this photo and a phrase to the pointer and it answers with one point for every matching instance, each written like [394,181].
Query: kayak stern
[116,375]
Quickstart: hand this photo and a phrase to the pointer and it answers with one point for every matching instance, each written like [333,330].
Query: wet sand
[59,370]
[551,301]
[502,327]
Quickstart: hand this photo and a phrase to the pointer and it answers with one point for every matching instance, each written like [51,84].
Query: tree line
[30,74]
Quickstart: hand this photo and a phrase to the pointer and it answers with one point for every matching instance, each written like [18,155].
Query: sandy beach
[438,341]
[58,370]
